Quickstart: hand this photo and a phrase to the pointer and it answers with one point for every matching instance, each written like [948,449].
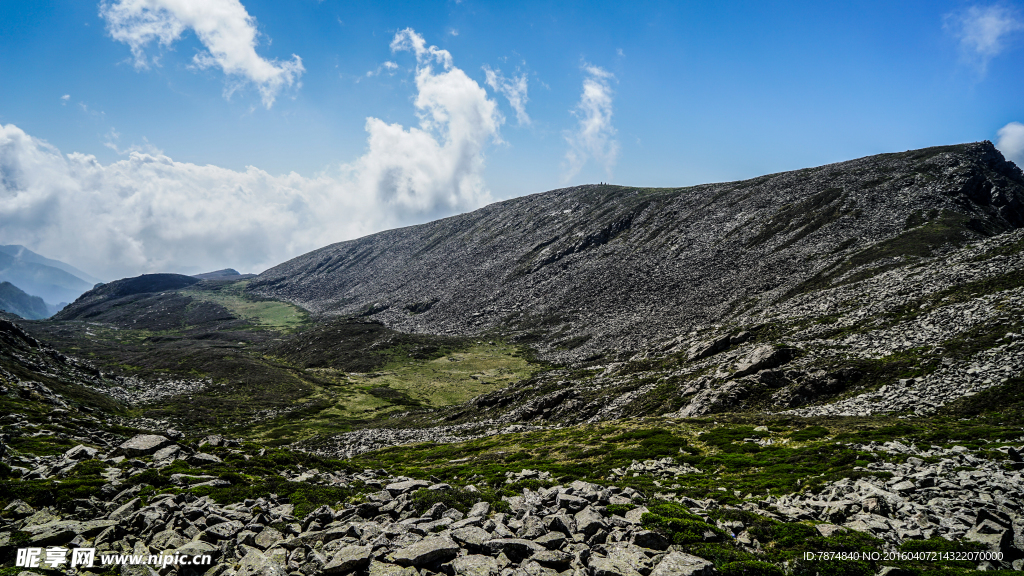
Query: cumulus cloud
[64,99]
[149,213]
[983,31]
[1011,142]
[513,89]
[594,135]
[224,28]
[439,163]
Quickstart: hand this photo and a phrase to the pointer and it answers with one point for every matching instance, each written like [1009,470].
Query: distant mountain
[52,280]
[26,255]
[225,274]
[16,301]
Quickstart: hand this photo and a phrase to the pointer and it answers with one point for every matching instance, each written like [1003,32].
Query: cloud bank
[1011,142]
[224,28]
[594,135]
[149,213]
[982,32]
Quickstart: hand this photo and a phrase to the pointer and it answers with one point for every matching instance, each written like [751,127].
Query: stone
[683,564]
[763,357]
[386,569]
[256,563]
[167,453]
[517,549]
[603,566]
[426,551]
[473,565]
[650,539]
[551,540]
[560,523]
[349,558]
[39,517]
[571,503]
[200,548]
[635,515]
[471,537]
[166,540]
[202,459]
[81,452]
[552,558]
[705,349]
[142,445]
[18,509]
[225,530]
[407,486]
[827,530]
[479,510]
[589,521]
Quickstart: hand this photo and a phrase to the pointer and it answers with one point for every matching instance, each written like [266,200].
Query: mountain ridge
[654,261]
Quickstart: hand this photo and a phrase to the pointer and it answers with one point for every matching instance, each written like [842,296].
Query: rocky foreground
[403,526]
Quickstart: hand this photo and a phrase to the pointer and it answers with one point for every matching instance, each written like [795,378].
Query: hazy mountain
[53,281]
[16,301]
[26,255]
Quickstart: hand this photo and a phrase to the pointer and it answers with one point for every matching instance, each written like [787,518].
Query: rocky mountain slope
[584,270]
[592,381]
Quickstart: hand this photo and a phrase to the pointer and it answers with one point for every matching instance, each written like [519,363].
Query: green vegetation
[677,524]
[443,377]
[593,452]
[261,313]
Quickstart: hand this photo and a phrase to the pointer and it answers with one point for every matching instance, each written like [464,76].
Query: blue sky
[186,135]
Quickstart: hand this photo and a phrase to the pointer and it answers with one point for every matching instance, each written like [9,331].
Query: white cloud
[1011,142]
[389,67]
[514,89]
[440,163]
[594,134]
[148,213]
[982,32]
[225,29]
[64,99]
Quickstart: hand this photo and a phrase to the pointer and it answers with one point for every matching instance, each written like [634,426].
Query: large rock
[517,549]
[472,537]
[474,565]
[683,564]
[407,486]
[426,551]
[167,452]
[81,452]
[143,445]
[224,530]
[479,510]
[589,521]
[386,569]
[63,531]
[621,560]
[256,563]
[704,349]
[349,558]
[762,358]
